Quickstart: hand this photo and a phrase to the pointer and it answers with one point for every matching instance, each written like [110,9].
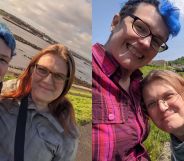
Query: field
[82,102]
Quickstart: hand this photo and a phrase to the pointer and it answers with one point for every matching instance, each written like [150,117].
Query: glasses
[44,72]
[166,100]
[143,30]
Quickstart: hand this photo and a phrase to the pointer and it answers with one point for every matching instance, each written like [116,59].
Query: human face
[164,106]
[46,88]
[130,50]
[5,57]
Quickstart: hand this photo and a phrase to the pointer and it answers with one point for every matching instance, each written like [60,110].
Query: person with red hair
[37,121]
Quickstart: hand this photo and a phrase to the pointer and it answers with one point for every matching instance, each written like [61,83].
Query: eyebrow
[4,56]
[50,70]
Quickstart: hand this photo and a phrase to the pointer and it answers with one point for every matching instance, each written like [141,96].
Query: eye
[59,76]
[42,70]
[156,42]
[4,61]
[169,96]
[141,28]
[152,104]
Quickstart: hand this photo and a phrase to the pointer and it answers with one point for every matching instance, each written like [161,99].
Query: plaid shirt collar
[105,60]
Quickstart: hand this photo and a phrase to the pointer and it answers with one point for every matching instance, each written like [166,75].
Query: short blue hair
[171,16]
[167,10]
[8,38]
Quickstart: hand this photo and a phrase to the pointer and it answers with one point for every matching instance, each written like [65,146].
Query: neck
[125,74]
[124,82]
[41,106]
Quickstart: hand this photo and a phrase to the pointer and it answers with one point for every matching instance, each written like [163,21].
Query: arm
[177,148]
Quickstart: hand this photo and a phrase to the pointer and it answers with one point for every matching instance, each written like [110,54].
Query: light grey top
[177,148]
[44,136]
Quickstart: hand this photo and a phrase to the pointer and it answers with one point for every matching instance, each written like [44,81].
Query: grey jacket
[177,148]
[44,137]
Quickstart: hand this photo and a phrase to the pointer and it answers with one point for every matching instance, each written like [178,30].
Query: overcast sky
[66,21]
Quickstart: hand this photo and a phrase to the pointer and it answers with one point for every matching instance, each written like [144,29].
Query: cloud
[68,22]
[180,5]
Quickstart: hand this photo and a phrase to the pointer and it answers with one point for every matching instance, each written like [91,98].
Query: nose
[146,41]
[162,105]
[48,79]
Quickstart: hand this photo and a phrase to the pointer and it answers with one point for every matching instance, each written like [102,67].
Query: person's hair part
[167,10]
[7,36]
[61,107]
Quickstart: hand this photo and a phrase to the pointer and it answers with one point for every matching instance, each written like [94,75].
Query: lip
[167,114]
[134,51]
[45,88]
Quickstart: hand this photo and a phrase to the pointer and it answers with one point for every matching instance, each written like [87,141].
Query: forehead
[53,62]
[158,87]
[149,14]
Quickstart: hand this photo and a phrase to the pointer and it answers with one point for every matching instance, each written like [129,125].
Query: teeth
[134,51]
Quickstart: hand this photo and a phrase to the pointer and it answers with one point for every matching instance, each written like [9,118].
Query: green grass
[82,102]
[9,77]
[148,68]
[155,142]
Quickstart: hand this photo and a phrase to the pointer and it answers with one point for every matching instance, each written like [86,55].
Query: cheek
[34,81]
[153,114]
[59,89]
[3,70]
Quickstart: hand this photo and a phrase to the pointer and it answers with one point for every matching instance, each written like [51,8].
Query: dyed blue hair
[8,38]
[167,10]
[171,16]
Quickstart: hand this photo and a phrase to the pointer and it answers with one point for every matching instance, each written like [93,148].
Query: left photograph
[45,80]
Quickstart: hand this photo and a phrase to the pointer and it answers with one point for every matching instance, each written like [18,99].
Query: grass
[155,142]
[9,77]
[82,102]
[148,68]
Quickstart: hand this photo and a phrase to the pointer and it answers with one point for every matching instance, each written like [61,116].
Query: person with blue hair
[138,32]
[7,50]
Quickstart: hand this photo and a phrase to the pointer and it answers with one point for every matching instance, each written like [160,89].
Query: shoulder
[8,103]
[177,148]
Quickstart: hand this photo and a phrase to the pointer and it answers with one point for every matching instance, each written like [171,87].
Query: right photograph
[138,80]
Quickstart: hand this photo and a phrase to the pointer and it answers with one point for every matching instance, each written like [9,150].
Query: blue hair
[8,38]
[171,16]
[167,10]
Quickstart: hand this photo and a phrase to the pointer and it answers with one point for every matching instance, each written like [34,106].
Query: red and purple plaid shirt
[119,125]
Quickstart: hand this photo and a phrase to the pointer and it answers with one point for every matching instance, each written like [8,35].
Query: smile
[133,51]
[167,114]
[45,88]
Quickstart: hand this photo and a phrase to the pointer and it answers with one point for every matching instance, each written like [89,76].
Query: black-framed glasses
[143,30]
[44,72]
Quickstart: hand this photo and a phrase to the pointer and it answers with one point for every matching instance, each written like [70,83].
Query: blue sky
[102,14]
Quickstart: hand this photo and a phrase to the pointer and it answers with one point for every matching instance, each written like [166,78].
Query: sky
[66,21]
[103,12]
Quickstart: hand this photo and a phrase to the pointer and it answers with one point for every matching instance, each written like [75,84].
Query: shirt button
[111,117]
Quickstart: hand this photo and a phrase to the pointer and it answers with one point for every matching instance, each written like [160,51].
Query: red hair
[61,108]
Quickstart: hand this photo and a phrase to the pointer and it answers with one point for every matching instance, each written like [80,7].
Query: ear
[116,20]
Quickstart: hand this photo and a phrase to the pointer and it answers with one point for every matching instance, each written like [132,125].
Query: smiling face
[168,115]
[5,57]
[45,89]
[130,50]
